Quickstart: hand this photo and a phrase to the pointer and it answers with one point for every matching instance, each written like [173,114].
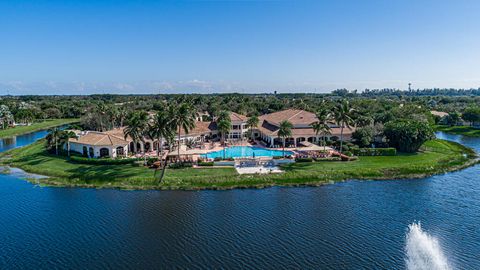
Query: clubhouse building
[114,143]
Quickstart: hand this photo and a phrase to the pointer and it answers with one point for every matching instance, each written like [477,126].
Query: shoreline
[459,130]
[296,175]
[44,125]
[50,182]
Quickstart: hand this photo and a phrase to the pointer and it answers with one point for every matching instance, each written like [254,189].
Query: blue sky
[84,47]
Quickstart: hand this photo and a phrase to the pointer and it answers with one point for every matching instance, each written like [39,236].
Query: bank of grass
[461,130]
[19,130]
[436,156]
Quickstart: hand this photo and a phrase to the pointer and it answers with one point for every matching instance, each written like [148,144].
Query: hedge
[375,151]
[101,161]
[205,164]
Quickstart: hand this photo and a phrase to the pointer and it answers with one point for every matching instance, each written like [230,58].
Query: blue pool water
[247,151]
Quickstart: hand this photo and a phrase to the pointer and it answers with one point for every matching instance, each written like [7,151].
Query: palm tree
[65,138]
[136,128]
[321,125]
[284,131]
[343,116]
[252,123]
[224,123]
[161,128]
[183,117]
[53,139]
[122,115]
[101,110]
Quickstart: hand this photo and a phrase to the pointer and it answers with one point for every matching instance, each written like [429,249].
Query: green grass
[35,127]
[462,130]
[437,156]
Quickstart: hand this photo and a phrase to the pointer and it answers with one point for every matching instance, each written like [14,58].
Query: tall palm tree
[161,128]
[252,123]
[284,131]
[343,116]
[136,128]
[65,138]
[321,125]
[122,115]
[101,110]
[54,139]
[183,117]
[223,125]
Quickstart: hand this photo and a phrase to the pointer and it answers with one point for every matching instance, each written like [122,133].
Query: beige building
[99,144]
[301,120]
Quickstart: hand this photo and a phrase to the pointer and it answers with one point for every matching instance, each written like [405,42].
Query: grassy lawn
[462,130]
[36,126]
[436,156]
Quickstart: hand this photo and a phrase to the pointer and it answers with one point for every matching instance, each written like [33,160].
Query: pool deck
[258,170]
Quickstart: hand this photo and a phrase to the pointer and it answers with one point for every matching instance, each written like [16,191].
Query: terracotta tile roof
[118,132]
[301,121]
[201,128]
[236,117]
[296,117]
[99,138]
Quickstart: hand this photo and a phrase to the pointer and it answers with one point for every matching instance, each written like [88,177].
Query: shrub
[328,159]
[101,161]
[217,159]
[375,151]
[151,160]
[348,153]
[205,164]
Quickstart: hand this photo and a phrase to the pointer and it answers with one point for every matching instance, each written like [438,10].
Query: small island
[178,147]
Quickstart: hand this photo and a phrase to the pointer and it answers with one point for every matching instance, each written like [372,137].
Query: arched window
[90,152]
[120,151]
[104,152]
[85,151]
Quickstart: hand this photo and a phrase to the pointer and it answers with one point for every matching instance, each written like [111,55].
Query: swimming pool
[247,151]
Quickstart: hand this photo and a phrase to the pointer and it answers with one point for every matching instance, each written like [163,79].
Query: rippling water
[349,225]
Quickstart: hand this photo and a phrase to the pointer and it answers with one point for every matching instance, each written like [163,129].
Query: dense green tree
[407,135]
[363,136]
[472,115]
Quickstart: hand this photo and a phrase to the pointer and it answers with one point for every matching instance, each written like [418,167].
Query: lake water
[349,225]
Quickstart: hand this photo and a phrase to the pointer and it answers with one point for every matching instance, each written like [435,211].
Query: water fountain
[423,250]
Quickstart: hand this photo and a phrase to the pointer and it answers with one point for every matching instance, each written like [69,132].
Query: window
[104,152]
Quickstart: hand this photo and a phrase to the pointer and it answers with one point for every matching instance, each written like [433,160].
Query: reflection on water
[349,225]
[22,140]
